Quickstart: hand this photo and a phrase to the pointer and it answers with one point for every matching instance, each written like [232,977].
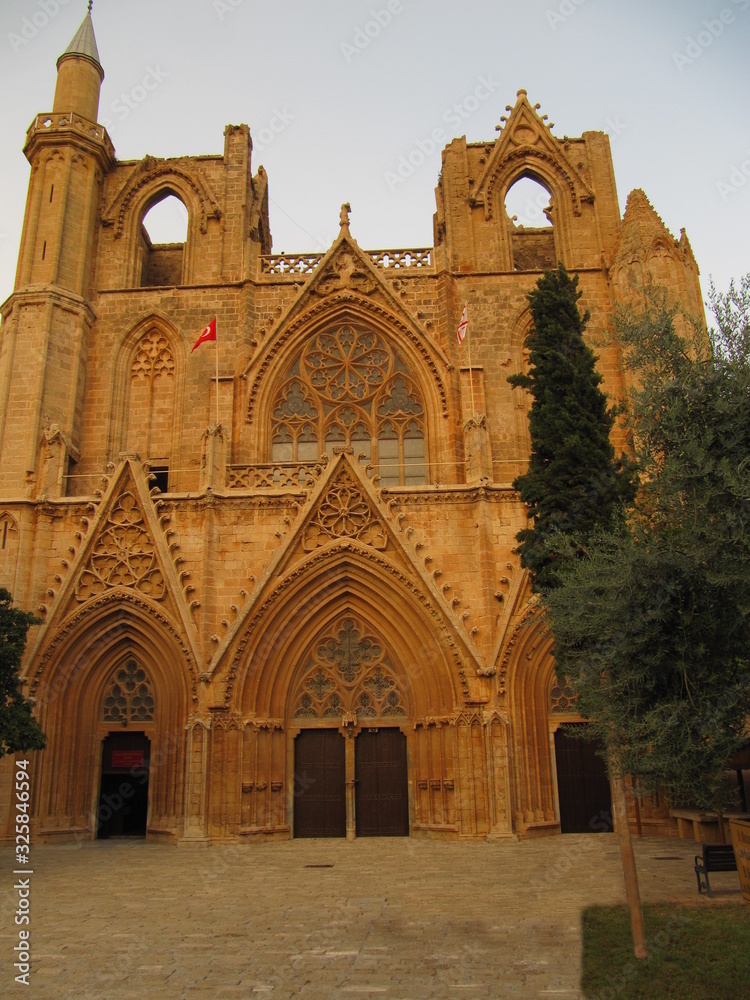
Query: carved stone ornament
[345,272]
[344,513]
[123,556]
[349,675]
[129,696]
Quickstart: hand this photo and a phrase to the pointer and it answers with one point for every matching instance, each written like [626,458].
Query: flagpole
[471,378]
[217,374]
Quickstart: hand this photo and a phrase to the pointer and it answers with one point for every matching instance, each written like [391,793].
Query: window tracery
[349,388]
[153,357]
[563,699]
[151,396]
[129,695]
[349,673]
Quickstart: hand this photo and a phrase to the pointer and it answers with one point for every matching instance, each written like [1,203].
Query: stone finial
[344,217]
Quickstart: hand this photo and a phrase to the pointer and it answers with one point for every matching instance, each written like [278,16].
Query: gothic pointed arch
[129,695]
[150,182]
[526,148]
[121,555]
[147,393]
[348,671]
[348,373]
[9,547]
[526,672]
[520,397]
[339,582]
[114,664]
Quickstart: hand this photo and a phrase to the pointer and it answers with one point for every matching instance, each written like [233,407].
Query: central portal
[350,760]
[381,796]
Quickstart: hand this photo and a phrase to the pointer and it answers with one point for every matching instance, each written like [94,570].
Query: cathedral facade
[276,574]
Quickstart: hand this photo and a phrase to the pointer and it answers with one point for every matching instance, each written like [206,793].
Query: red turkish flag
[207,333]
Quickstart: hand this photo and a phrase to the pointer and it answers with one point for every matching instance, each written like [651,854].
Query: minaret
[47,319]
[80,74]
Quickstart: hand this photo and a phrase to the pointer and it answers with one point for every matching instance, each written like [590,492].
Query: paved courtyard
[394,918]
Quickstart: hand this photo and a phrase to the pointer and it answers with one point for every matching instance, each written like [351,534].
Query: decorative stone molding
[343,512]
[316,311]
[150,172]
[117,596]
[309,566]
[123,556]
[348,675]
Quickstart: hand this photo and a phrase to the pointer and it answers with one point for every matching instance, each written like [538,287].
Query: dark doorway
[382,797]
[123,794]
[319,784]
[582,785]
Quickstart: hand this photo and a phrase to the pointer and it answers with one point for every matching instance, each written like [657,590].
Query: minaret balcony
[55,128]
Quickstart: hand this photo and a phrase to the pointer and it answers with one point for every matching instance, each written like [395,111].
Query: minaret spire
[80,73]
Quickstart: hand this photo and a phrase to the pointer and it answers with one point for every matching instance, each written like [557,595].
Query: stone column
[214,462]
[196,783]
[477,450]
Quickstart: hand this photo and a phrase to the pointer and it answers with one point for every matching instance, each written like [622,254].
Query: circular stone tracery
[348,672]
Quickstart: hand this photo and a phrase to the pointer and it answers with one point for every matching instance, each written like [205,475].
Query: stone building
[276,574]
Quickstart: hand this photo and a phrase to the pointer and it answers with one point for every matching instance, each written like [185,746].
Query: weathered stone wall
[221,586]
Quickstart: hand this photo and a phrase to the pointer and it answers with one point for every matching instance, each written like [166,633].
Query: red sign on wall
[127,758]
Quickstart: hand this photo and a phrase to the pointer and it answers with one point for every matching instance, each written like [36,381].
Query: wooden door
[582,785]
[382,797]
[319,784]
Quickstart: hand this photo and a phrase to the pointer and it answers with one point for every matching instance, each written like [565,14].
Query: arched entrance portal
[123,791]
[351,779]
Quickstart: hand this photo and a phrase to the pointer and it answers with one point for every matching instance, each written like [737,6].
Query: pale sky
[339,94]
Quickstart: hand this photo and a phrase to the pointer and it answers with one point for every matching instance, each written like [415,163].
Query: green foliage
[654,647]
[19,730]
[574,484]
[652,623]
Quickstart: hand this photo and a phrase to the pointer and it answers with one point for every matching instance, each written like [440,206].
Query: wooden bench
[715,858]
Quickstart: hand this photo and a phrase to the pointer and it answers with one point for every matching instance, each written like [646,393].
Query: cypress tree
[574,483]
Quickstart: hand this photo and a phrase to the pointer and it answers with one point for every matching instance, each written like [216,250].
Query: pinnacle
[84,42]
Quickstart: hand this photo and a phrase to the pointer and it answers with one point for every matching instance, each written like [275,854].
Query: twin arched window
[349,388]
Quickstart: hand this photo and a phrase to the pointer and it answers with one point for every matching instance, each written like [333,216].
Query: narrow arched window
[163,237]
[530,210]
[151,398]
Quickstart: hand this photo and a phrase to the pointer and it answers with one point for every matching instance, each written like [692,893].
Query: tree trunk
[722,827]
[632,892]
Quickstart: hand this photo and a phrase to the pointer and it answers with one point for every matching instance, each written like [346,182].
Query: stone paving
[394,918]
